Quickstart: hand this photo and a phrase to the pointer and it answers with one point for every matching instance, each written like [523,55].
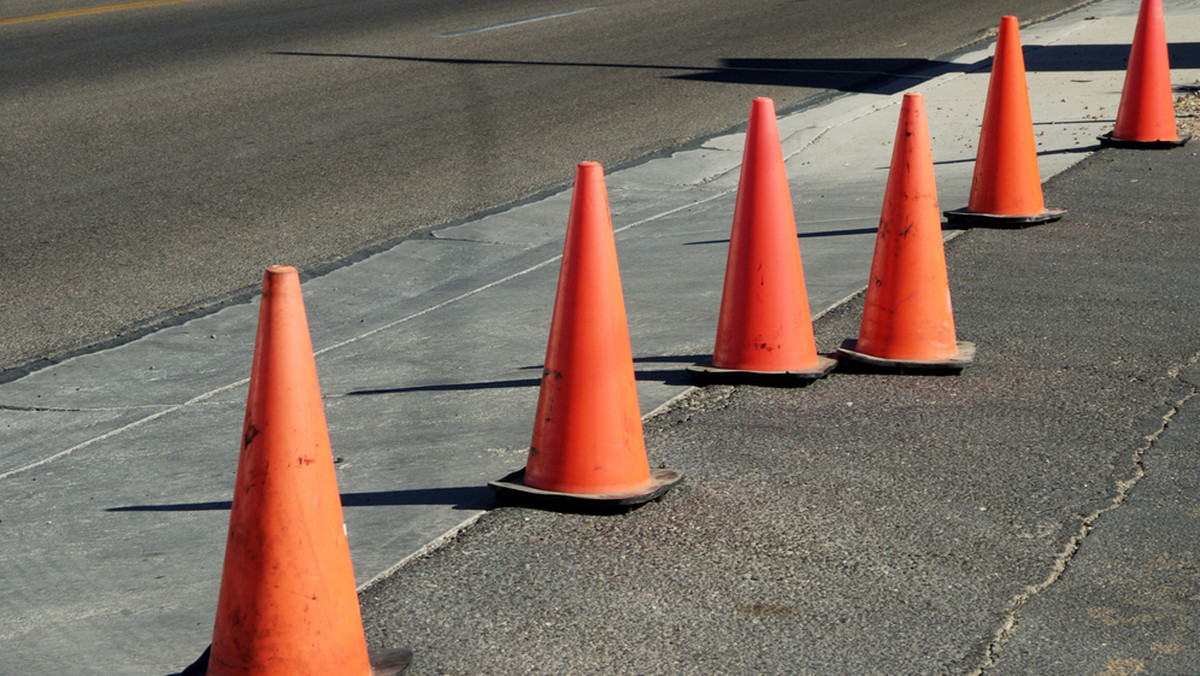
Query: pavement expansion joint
[43,409]
[89,409]
[159,412]
[474,240]
[1087,523]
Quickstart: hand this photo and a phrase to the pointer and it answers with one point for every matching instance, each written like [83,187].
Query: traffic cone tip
[1006,187]
[287,601]
[1146,115]
[907,322]
[587,436]
[764,330]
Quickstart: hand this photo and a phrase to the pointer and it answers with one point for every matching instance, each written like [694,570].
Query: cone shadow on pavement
[907,323]
[587,451]
[1146,116]
[1006,189]
[764,330]
[288,602]
[471,498]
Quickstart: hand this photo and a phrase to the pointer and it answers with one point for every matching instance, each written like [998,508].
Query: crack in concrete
[1123,487]
[436,237]
[66,409]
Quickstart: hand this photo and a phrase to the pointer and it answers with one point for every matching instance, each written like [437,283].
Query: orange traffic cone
[1006,190]
[288,603]
[1146,118]
[907,322]
[764,330]
[587,450]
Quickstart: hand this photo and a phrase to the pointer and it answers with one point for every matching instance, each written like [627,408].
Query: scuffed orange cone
[1006,190]
[288,603]
[907,323]
[764,330]
[587,450]
[1146,118]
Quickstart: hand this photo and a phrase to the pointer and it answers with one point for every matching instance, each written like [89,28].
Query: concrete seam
[1087,523]
[428,548]
[122,429]
[89,409]
[471,240]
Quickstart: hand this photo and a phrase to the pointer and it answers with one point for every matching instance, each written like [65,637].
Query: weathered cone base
[962,359]
[383,662]
[1107,139]
[965,217]
[705,373]
[512,489]
[389,662]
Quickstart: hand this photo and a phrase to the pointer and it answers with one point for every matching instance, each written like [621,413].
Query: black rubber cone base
[389,662]
[866,362]
[976,219]
[705,373]
[513,490]
[1110,141]
[383,662]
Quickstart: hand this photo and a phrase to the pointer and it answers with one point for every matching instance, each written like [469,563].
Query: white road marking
[514,22]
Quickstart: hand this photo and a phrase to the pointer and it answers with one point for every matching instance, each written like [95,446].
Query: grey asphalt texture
[1037,514]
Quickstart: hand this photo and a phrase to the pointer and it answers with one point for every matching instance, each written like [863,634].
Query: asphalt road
[156,159]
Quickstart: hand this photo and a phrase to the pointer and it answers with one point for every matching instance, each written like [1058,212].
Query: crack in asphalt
[1087,523]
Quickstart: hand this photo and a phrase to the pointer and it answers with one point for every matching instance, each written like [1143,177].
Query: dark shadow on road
[665,376]
[837,233]
[802,235]
[661,375]
[850,75]
[450,387]
[671,359]
[1042,153]
[1058,58]
[886,76]
[880,75]
[653,359]
[460,497]
[828,233]
[1051,123]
